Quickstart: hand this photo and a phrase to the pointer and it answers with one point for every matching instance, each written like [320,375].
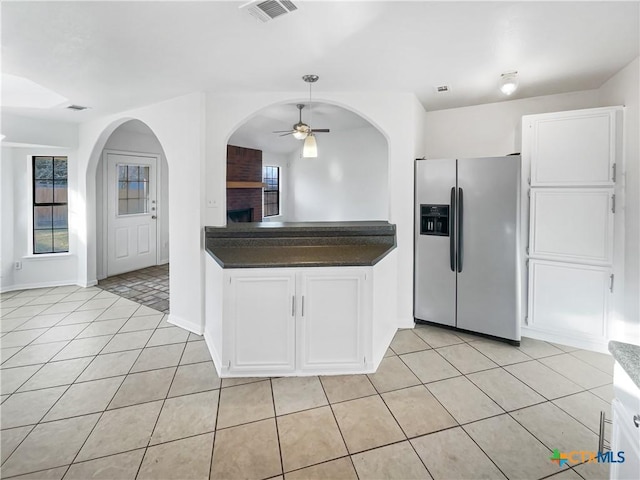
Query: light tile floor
[97,386]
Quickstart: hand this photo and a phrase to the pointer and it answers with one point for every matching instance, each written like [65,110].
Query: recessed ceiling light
[508,82]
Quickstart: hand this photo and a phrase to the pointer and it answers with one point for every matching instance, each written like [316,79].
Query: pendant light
[310,148]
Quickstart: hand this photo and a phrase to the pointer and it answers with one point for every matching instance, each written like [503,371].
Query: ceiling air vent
[77,108]
[442,89]
[269,9]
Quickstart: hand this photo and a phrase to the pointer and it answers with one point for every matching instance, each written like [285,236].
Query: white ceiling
[113,56]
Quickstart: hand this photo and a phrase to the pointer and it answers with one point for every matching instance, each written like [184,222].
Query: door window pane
[133,189]
[133,173]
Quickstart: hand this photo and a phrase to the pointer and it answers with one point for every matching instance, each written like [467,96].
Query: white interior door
[131,213]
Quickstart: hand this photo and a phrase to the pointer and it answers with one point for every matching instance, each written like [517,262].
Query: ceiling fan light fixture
[299,135]
[310,148]
[509,82]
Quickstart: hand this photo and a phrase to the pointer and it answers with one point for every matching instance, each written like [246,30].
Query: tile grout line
[275,421]
[163,402]
[335,419]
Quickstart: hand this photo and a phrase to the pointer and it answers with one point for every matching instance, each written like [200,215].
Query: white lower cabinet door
[330,323]
[567,297]
[261,322]
[625,439]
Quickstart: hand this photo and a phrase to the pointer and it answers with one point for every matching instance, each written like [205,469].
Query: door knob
[636,421]
[153,217]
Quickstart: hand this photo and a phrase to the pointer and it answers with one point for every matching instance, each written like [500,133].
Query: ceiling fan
[300,130]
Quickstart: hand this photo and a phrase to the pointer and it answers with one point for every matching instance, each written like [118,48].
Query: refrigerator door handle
[452,236]
[460,236]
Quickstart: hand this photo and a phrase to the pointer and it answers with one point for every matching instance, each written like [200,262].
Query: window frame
[35,204]
[266,190]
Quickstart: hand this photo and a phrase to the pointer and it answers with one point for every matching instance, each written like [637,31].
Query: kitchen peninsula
[299,298]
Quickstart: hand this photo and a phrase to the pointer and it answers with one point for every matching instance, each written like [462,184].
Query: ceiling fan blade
[282,131]
[320,130]
[285,134]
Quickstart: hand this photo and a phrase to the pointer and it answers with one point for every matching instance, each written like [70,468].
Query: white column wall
[178,124]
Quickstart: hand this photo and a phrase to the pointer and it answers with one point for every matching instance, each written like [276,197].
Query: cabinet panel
[568,298]
[262,326]
[573,148]
[572,224]
[625,438]
[331,330]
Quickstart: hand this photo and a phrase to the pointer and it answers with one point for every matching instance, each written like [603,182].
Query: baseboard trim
[31,286]
[193,327]
[406,322]
[215,355]
[596,344]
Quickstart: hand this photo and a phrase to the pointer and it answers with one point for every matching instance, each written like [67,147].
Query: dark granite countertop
[308,244]
[628,356]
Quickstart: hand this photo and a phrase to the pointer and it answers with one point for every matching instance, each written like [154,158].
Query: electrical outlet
[18,265]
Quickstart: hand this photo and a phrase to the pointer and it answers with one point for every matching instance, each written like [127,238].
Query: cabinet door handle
[293,306]
[303,305]
[636,421]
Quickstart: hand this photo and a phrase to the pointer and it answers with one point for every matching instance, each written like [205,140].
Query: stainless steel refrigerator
[467,248]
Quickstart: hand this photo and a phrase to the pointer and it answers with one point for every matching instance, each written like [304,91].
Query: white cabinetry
[330,320]
[625,436]
[261,325]
[573,148]
[569,165]
[280,321]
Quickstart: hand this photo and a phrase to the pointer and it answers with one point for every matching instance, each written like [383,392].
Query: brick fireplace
[244,183]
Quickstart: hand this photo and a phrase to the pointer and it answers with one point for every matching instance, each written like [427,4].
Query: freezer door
[435,279]
[488,278]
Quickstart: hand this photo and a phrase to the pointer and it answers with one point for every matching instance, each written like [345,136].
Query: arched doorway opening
[347,181]
[132,216]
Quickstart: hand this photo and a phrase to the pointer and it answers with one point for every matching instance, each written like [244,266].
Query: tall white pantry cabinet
[571,221]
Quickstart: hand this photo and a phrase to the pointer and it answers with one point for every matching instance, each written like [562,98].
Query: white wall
[27,137]
[282,161]
[398,116]
[6,214]
[493,129]
[138,142]
[623,89]
[347,181]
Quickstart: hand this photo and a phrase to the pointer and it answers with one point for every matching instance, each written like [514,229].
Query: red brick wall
[244,165]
